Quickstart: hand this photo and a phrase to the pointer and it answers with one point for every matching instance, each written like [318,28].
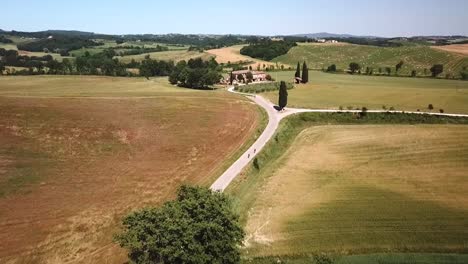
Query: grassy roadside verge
[400,258]
[246,188]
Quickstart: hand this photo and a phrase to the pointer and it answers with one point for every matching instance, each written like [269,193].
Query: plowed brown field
[70,168]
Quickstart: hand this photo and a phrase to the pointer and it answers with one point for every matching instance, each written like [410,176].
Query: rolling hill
[416,57]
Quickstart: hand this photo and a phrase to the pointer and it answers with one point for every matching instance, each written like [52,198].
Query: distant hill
[331,35]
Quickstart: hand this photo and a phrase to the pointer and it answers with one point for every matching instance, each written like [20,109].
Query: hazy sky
[272,17]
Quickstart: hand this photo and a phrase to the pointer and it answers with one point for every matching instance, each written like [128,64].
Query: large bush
[198,227]
[267,50]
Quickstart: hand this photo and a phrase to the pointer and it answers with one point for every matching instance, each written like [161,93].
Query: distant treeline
[200,41]
[3,39]
[195,73]
[204,42]
[58,44]
[97,64]
[379,42]
[267,49]
[137,50]
[61,33]
[12,58]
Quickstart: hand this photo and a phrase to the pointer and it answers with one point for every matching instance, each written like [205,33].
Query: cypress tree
[305,73]
[298,71]
[283,96]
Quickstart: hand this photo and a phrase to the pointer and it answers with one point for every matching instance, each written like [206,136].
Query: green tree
[305,73]
[298,71]
[437,69]
[283,96]
[249,77]
[240,78]
[398,67]
[68,65]
[198,227]
[464,75]
[388,70]
[354,67]
[2,67]
[331,68]
[231,78]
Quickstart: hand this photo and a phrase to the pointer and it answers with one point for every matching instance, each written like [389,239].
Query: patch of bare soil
[456,48]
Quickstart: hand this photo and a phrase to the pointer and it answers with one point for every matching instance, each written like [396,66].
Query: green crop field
[415,57]
[362,190]
[334,90]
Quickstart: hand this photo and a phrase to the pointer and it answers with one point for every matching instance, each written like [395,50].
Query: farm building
[258,76]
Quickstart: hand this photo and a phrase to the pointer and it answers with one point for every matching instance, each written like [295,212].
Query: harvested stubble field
[232,55]
[365,189]
[456,48]
[384,188]
[79,152]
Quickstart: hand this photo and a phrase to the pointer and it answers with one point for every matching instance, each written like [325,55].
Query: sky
[386,18]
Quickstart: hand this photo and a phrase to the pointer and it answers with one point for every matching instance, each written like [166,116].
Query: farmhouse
[258,76]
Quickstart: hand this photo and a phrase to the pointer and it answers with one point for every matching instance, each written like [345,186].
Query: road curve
[274,118]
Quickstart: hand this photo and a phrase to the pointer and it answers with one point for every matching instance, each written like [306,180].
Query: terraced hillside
[419,58]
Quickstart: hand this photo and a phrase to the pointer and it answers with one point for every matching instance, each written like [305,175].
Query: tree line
[194,73]
[58,44]
[435,71]
[5,40]
[379,42]
[137,50]
[267,49]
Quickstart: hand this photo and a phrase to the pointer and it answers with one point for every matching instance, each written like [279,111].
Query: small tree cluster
[437,69]
[196,73]
[198,227]
[305,72]
[331,68]
[354,67]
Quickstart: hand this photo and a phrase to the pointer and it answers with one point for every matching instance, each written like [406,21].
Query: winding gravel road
[274,118]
